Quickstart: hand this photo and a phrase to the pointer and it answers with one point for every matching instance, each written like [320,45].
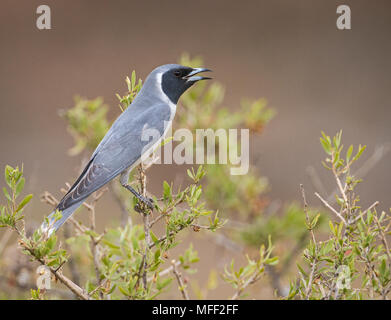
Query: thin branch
[383,239]
[307,218]
[51,200]
[365,212]
[78,291]
[145,211]
[78,226]
[331,208]
[339,184]
[95,249]
[250,281]
[182,286]
[314,263]
[164,272]
[158,218]
[103,283]
[161,239]
[361,172]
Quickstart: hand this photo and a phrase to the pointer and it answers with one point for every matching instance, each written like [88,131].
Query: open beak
[192,78]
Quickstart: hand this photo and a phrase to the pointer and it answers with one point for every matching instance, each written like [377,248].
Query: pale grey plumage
[129,137]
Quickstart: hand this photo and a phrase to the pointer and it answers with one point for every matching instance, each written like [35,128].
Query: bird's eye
[177,73]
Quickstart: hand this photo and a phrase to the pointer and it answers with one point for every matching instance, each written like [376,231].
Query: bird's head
[175,79]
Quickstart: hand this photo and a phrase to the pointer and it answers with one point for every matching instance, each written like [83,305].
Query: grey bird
[133,136]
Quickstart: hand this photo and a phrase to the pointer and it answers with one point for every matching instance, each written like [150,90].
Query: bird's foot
[147,201]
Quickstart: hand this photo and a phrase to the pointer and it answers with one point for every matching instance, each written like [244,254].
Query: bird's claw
[147,201]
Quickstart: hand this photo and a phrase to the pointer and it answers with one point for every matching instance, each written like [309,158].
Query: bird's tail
[52,224]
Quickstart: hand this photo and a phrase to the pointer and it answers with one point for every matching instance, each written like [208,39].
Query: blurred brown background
[290,52]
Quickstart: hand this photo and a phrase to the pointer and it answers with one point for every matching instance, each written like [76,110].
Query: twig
[307,218]
[365,212]
[94,251]
[78,291]
[182,286]
[50,199]
[158,218]
[331,208]
[195,226]
[139,275]
[151,245]
[240,290]
[103,283]
[276,275]
[383,239]
[308,289]
[339,184]
[94,241]
[64,293]
[165,271]
[361,172]
[82,229]
[145,213]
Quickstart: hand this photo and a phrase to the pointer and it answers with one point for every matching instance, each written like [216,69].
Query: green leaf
[6,194]
[161,284]
[154,238]
[110,244]
[349,153]
[359,153]
[271,261]
[190,174]
[331,225]
[326,146]
[166,191]
[133,79]
[315,221]
[20,186]
[302,270]
[157,255]
[24,202]
[7,174]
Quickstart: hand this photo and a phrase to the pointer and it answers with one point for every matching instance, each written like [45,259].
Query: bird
[133,135]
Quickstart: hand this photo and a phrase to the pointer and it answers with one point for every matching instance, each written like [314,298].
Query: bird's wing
[123,148]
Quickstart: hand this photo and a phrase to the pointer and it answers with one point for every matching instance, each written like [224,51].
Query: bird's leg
[124,182]
[139,196]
